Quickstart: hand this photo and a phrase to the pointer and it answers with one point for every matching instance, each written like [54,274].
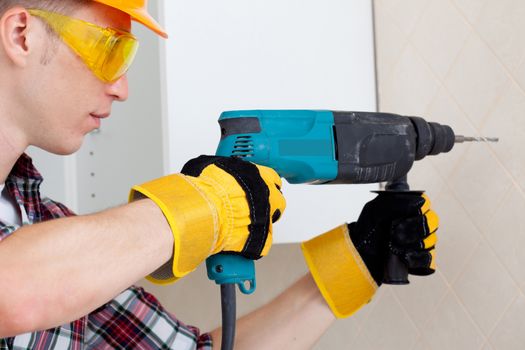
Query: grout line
[395,64]
[361,325]
[419,334]
[455,59]
[404,48]
[453,2]
[471,28]
[501,200]
[483,237]
[464,267]
[418,339]
[465,310]
[416,19]
[491,332]
[474,222]
[440,301]
[507,193]
[491,345]
[507,172]
[441,83]
[507,70]
[505,309]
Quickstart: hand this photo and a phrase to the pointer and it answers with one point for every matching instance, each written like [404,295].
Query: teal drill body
[298,144]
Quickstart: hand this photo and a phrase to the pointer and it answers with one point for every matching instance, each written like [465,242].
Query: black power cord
[228,315]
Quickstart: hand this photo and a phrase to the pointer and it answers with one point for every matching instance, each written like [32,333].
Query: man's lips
[100,115]
[97,118]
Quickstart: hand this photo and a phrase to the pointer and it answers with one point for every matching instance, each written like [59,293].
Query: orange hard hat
[138,10]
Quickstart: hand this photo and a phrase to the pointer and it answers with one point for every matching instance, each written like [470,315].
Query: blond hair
[62,6]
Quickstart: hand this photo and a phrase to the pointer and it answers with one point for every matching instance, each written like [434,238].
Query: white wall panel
[269,54]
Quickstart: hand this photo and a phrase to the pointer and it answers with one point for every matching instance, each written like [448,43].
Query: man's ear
[14,26]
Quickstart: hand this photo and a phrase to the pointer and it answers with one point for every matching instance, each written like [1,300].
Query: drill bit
[461,138]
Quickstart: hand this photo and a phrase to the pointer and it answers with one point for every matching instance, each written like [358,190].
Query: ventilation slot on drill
[243,147]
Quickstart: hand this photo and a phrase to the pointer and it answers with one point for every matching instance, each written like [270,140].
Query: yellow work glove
[348,262]
[216,204]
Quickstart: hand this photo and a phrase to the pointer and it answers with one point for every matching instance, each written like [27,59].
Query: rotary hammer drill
[325,147]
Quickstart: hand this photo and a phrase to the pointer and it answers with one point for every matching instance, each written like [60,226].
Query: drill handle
[396,270]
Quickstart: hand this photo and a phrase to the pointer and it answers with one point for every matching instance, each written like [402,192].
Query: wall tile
[471,9]
[506,234]
[390,42]
[342,332]
[510,333]
[501,25]
[360,343]
[451,327]
[439,35]
[424,177]
[444,110]
[487,346]
[389,327]
[458,237]
[405,13]
[507,120]
[411,86]
[362,316]
[421,345]
[485,288]
[476,79]
[421,297]
[479,183]
[519,75]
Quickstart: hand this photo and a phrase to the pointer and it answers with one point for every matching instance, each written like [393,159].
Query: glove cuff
[339,271]
[192,219]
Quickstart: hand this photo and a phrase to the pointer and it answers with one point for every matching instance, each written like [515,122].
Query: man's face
[65,100]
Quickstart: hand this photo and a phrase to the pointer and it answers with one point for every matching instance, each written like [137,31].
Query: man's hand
[217,204]
[396,223]
[347,262]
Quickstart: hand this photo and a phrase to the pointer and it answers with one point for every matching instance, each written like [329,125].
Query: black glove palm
[398,223]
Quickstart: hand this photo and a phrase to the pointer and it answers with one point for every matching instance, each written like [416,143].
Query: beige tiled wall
[462,63]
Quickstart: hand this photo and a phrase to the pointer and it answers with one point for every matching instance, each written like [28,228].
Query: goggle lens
[107,52]
[119,59]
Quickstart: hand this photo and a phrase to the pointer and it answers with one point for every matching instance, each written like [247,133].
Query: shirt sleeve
[136,319]
[6,230]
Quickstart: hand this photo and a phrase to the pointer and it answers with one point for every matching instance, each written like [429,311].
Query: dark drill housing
[377,147]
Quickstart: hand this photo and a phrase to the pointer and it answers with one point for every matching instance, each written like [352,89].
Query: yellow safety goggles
[108,52]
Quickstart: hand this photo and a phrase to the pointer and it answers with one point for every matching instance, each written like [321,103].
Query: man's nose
[118,89]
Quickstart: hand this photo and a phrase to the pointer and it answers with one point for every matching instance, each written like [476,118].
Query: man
[66,279]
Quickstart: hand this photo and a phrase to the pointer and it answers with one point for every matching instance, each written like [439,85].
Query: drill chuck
[432,138]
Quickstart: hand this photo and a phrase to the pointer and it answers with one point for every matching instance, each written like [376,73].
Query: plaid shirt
[133,320]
